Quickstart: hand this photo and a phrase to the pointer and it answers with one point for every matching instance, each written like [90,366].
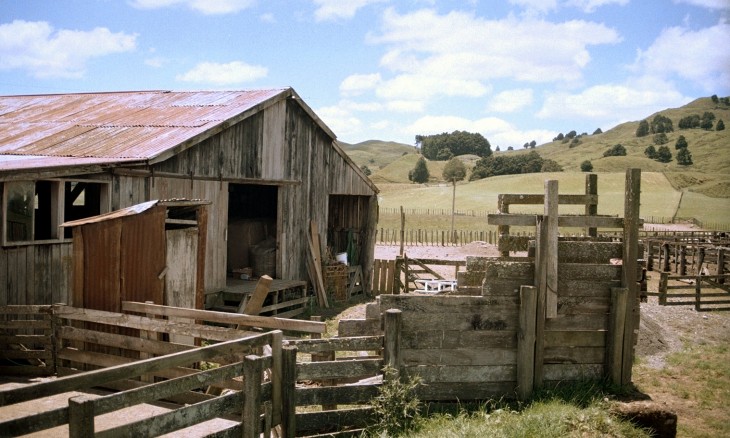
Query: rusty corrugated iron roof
[46,131]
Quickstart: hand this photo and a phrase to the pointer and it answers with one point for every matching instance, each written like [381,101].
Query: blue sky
[512,70]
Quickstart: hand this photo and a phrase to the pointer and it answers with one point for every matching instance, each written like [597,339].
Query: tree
[366,170]
[650,152]
[684,157]
[661,123]
[419,174]
[663,154]
[597,131]
[586,166]
[454,171]
[707,120]
[643,129]
[681,143]
[455,143]
[571,134]
[615,151]
[714,98]
[720,125]
[559,137]
[660,139]
[533,143]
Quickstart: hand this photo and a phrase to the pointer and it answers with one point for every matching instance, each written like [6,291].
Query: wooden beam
[630,262]
[254,304]
[527,220]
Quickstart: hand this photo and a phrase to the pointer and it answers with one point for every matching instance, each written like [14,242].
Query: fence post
[700,259]
[720,265]
[617,325]
[591,208]
[698,291]
[663,282]
[649,255]
[630,268]
[252,371]
[526,342]
[391,349]
[665,252]
[682,260]
[288,391]
[81,417]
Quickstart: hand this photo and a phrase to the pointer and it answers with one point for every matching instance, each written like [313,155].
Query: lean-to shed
[264,161]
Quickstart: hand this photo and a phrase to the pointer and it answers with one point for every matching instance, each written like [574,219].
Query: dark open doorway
[252,219]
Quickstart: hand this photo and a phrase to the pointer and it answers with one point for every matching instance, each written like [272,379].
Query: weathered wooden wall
[465,347]
[279,145]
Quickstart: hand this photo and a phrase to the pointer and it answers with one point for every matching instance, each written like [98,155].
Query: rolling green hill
[700,190]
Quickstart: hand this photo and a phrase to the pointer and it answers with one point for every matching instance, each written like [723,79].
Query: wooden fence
[704,292]
[265,391]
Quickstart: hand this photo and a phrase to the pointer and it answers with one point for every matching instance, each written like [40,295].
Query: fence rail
[715,296]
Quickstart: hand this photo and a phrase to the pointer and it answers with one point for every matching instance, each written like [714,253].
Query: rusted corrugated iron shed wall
[121,260]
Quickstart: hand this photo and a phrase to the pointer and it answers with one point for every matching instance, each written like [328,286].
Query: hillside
[709,175]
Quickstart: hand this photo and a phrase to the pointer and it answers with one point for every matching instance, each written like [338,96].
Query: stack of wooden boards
[314,266]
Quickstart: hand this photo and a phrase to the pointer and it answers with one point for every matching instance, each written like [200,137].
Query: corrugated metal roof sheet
[105,128]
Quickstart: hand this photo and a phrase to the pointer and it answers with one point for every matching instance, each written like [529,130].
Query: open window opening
[34,210]
[252,221]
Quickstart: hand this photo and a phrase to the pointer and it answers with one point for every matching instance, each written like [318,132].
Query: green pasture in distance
[658,198]
[704,208]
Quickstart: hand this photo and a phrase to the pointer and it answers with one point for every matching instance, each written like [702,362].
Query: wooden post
[698,293]
[551,259]
[277,338]
[615,341]
[406,274]
[682,259]
[323,357]
[526,342]
[502,230]
[665,252]
[540,255]
[252,371]
[700,259]
[81,417]
[663,282]
[391,349]
[630,266]
[402,228]
[721,265]
[649,255]
[591,208]
[398,272]
[288,391]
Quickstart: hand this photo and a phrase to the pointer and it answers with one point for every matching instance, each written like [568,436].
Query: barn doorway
[252,221]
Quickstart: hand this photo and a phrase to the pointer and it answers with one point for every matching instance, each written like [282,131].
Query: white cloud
[156,62]
[207,7]
[406,106]
[338,9]
[699,56]
[710,4]
[510,100]
[422,87]
[236,72]
[461,46]
[591,5]
[536,5]
[341,121]
[496,130]
[610,104]
[45,52]
[354,85]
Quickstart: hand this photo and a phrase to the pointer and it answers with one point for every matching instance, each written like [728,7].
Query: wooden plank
[359,327]
[536,199]
[333,420]
[575,338]
[465,391]
[150,346]
[575,355]
[315,252]
[254,304]
[338,369]
[332,395]
[450,339]
[524,220]
[98,377]
[578,372]
[360,343]
[465,374]
[526,342]
[462,356]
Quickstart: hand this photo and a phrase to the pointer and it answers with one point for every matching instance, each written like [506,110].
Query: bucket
[342,258]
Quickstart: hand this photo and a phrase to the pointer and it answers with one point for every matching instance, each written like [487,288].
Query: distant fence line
[662,220]
[439,237]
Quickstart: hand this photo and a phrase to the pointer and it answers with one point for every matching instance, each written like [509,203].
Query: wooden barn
[266,166]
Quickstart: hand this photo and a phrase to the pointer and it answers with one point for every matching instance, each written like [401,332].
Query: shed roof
[62,130]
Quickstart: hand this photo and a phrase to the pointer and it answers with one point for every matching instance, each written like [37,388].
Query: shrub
[396,407]
[586,166]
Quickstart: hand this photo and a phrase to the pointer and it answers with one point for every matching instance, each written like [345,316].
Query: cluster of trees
[659,124]
[511,165]
[572,136]
[617,150]
[664,155]
[445,146]
[724,100]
